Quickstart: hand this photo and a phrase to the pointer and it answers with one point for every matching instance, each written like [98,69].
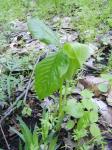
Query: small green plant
[52,73]
[86,113]
[40,137]
[57,68]
[30,139]
[26,110]
[8,83]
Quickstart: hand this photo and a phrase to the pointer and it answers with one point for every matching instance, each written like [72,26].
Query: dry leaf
[105,111]
[92,83]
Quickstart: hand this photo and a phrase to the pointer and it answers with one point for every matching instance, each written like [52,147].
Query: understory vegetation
[55,75]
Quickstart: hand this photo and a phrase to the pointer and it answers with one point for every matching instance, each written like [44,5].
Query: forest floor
[19,53]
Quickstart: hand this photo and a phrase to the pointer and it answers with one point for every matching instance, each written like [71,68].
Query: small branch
[11,108]
[8,147]
[30,80]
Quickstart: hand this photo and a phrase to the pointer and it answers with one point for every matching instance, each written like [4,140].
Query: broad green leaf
[49,73]
[95,131]
[70,124]
[74,109]
[77,51]
[78,54]
[40,31]
[73,68]
[103,87]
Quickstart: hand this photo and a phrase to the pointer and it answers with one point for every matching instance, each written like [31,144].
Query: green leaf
[78,134]
[87,94]
[84,121]
[103,87]
[26,111]
[93,116]
[18,133]
[85,147]
[95,131]
[35,140]
[74,109]
[78,54]
[107,77]
[70,124]
[40,31]
[53,143]
[88,104]
[77,51]
[26,133]
[49,73]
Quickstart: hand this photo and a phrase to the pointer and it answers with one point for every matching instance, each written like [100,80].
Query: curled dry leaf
[92,83]
[105,111]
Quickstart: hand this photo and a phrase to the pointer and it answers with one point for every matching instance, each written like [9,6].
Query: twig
[11,108]
[30,80]
[8,147]
[92,67]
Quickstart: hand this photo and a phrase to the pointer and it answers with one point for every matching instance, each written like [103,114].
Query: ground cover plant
[55,75]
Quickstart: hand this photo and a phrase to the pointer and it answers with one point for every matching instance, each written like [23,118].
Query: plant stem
[60,112]
[60,99]
[56,4]
[65,94]
[61,102]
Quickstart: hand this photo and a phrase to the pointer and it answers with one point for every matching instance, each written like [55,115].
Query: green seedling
[54,70]
[39,138]
[30,139]
[26,111]
[86,113]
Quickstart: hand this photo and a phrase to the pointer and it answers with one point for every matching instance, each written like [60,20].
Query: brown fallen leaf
[105,111]
[92,83]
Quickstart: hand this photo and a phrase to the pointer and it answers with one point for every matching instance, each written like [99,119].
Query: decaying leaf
[93,83]
[105,111]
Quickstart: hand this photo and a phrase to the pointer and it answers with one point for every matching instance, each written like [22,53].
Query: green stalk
[60,99]
[65,94]
[55,3]
[60,112]
[61,102]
